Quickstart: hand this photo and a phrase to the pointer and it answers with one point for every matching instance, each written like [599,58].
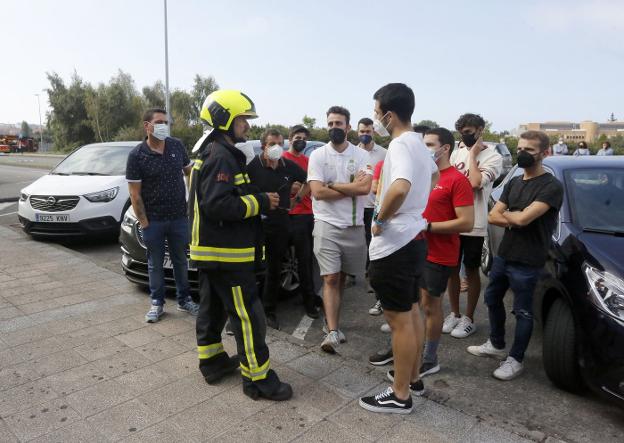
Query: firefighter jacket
[224,209]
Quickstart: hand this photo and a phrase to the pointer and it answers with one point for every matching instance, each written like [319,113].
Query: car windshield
[95,160]
[596,197]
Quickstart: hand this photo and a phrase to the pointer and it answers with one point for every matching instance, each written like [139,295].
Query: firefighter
[226,247]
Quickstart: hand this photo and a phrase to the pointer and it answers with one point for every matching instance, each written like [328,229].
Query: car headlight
[23,196]
[128,222]
[608,291]
[103,196]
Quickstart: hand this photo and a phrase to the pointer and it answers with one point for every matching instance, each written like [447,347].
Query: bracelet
[429,227]
[380,223]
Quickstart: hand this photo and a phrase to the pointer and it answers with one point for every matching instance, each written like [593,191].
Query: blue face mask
[366,139]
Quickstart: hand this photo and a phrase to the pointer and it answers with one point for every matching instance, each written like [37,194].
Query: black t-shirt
[529,244]
[162,181]
[278,180]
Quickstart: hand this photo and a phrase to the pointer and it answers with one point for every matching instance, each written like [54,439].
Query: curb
[9,199]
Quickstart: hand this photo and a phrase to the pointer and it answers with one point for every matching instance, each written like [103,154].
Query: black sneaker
[387,403]
[417,388]
[271,320]
[381,358]
[429,368]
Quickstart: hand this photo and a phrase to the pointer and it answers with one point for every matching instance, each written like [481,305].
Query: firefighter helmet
[221,107]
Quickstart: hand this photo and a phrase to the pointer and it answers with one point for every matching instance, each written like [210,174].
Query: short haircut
[397,98]
[365,121]
[341,111]
[268,132]
[444,136]
[541,137]
[297,129]
[149,114]
[606,143]
[466,120]
[421,129]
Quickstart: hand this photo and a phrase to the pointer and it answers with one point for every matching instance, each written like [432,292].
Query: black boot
[271,388]
[215,369]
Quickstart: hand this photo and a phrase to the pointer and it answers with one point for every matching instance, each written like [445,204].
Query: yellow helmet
[221,107]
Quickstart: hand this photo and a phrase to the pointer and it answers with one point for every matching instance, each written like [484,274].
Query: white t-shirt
[491,165]
[408,158]
[377,154]
[328,165]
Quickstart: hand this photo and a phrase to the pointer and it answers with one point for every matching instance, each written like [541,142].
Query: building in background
[574,132]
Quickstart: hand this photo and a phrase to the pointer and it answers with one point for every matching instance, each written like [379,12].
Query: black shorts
[471,248]
[395,278]
[434,278]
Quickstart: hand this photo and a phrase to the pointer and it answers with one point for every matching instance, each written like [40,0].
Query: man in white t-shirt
[340,176]
[398,248]
[481,164]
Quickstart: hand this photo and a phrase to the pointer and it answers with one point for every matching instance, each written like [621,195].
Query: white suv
[86,193]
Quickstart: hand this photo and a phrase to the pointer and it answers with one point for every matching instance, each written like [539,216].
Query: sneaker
[487,349]
[341,337]
[381,358]
[189,306]
[331,342]
[417,388]
[386,328]
[376,309]
[450,322]
[228,328]
[386,402]
[429,368]
[154,314]
[509,369]
[464,328]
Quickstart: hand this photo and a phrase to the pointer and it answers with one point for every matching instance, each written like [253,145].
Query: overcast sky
[511,61]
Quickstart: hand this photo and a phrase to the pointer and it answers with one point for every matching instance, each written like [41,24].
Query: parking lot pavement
[78,363]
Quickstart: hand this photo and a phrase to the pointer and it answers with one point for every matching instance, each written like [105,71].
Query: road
[14,178]
[465,383]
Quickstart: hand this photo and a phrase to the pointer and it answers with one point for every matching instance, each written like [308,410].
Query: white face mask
[161,131]
[379,127]
[274,152]
[436,153]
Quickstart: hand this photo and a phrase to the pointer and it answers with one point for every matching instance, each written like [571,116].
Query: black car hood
[607,250]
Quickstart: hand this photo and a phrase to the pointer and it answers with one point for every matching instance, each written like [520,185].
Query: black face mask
[469,139]
[299,145]
[337,135]
[525,160]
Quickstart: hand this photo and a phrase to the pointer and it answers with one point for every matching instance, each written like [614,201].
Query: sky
[511,61]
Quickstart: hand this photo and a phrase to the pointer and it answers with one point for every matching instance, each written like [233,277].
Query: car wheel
[486,257]
[289,277]
[559,348]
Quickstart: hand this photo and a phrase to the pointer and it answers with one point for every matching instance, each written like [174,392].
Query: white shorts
[339,249]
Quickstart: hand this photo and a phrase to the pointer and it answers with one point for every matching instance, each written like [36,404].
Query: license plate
[168,264]
[53,218]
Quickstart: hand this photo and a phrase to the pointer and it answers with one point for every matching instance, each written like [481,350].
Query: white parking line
[302,328]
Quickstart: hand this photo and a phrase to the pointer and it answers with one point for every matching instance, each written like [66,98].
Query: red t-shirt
[453,190]
[305,206]
[377,171]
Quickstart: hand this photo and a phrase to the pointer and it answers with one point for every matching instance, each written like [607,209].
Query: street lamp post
[40,125]
[167,69]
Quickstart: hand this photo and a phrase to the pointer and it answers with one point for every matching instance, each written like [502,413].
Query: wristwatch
[380,223]
[428,226]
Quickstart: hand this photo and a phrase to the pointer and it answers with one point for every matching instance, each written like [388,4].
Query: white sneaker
[487,349]
[386,328]
[509,369]
[331,342]
[341,337]
[449,323]
[376,309]
[464,328]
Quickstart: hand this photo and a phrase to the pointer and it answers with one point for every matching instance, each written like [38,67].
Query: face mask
[366,139]
[436,154]
[161,131]
[525,160]
[337,135]
[379,127]
[299,145]
[469,139]
[274,152]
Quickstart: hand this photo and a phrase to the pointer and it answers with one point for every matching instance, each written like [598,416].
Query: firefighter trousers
[230,294]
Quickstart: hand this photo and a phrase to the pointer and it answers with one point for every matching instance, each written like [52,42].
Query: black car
[580,298]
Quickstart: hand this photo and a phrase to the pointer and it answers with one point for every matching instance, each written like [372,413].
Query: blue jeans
[176,234]
[522,280]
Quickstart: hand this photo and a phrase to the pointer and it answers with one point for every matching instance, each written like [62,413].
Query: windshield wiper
[604,231]
[87,173]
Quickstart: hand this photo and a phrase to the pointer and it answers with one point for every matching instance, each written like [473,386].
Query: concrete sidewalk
[78,363]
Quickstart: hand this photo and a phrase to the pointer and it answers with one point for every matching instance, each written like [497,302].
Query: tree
[154,96]
[308,122]
[25,130]
[429,123]
[202,88]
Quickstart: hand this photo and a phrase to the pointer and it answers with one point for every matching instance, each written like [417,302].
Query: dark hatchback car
[134,258]
[580,297]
